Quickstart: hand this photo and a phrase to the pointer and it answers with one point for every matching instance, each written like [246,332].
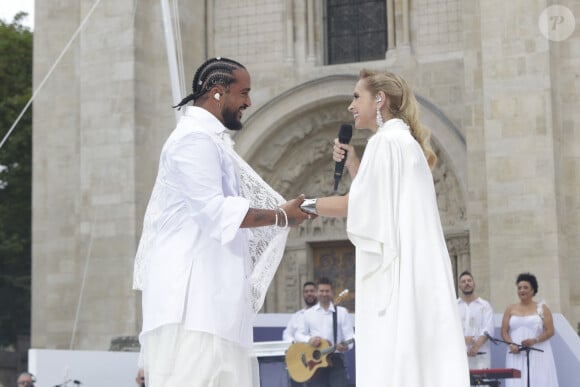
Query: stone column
[518,139]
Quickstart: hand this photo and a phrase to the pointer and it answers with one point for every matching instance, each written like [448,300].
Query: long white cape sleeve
[372,223]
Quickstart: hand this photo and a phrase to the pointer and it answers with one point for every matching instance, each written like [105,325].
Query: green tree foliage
[15,180]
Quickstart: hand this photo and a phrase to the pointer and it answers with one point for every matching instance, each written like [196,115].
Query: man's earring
[216,96]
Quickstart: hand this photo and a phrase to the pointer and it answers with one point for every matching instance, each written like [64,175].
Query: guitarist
[318,324]
[295,322]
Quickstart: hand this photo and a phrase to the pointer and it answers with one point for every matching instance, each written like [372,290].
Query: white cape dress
[408,331]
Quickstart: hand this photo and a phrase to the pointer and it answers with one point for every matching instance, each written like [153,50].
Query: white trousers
[172,356]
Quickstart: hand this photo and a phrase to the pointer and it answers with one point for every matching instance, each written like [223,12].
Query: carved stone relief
[459,252]
[450,200]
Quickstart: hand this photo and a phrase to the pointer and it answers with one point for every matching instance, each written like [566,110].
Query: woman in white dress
[408,331]
[530,324]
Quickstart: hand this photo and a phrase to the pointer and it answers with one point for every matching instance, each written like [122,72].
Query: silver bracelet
[285,217]
[309,206]
[276,217]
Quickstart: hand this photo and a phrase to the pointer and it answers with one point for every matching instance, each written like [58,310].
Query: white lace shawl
[266,244]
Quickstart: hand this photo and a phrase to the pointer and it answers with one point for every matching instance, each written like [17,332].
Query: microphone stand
[66,383]
[520,347]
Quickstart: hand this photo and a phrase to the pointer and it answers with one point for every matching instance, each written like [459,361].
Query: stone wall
[499,97]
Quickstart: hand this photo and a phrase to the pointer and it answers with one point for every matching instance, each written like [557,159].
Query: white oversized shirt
[294,324]
[476,320]
[318,322]
[197,256]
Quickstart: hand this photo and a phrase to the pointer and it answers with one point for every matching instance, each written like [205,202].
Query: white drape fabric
[196,359]
[408,331]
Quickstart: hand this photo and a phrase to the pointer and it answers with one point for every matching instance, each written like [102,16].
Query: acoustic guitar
[302,359]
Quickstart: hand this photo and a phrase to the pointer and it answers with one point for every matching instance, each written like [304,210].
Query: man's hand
[473,351]
[295,214]
[315,341]
[469,340]
[341,347]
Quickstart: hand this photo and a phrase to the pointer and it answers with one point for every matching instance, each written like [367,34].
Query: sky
[9,8]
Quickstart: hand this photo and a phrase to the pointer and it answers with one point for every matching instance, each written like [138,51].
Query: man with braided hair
[202,273]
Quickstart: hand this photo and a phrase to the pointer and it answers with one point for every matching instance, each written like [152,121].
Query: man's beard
[231,119]
[310,301]
[467,292]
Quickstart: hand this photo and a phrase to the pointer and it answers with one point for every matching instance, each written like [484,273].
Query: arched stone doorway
[288,142]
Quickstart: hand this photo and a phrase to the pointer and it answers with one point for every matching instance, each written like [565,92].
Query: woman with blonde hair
[408,331]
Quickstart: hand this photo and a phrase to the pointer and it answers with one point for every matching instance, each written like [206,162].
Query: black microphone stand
[520,347]
[66,383]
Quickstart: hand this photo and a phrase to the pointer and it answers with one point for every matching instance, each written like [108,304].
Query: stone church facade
[499,96]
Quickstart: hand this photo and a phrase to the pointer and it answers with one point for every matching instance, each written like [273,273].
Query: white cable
[90,244]
[135,11]
[171,56]
[5,138]
[65,49]
[179,46]
[92,231]
[85,272]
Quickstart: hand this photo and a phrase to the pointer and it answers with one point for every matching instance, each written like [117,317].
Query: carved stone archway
[288,142]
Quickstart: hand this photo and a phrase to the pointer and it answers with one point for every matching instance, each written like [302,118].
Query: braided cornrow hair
[215,71]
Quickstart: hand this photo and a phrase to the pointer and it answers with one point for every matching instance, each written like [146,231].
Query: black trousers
[331,376]
[292,383]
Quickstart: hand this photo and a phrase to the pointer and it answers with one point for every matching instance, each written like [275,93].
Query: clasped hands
[295,214]
[526,343]
[473,349]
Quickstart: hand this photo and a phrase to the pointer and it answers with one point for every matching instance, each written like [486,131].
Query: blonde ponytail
[403,105]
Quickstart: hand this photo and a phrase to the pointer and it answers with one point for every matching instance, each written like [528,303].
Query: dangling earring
[380,121]
[379,116]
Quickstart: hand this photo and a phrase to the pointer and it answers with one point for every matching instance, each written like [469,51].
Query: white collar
[205,117]
[209,123]
[477,300]
[319,307]
[393,123]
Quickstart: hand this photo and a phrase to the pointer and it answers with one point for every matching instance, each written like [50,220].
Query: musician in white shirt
[196,264]
[309,295]
[317,324]
[295,322]
[476,319]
